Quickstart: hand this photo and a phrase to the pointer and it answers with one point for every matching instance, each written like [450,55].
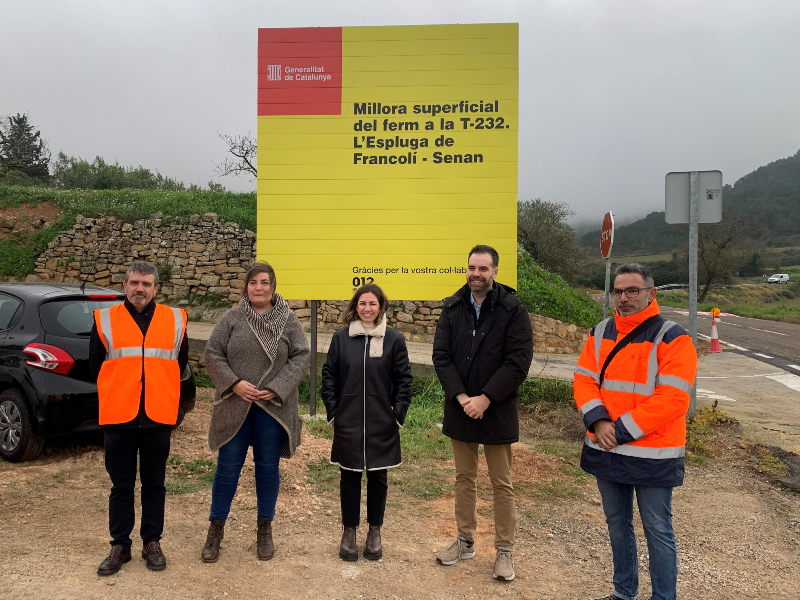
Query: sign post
[683,204]
[606,241]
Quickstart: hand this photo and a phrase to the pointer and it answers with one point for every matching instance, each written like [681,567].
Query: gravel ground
[738,536]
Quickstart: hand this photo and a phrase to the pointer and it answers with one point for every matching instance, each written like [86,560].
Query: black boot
[266,549]
[216,531]
[373,549]
[156,561]
[347,548]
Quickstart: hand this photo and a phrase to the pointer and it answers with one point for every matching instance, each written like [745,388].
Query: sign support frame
[312,389]
[694,213]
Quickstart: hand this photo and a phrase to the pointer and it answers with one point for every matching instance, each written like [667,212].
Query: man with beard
[137,352]
[482,352]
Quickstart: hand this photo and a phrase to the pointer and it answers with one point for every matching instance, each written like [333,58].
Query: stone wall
[205,257]
[201,256]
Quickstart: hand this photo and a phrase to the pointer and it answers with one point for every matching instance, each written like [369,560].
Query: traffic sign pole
[608,287]
[694,212]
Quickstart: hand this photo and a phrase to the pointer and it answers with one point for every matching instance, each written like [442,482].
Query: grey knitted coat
[233,353]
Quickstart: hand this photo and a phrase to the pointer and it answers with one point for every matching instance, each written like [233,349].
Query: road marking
[762,355]
[713,396]
[768,331]
[735,347]
[794,367]
[790,380]
[741,376]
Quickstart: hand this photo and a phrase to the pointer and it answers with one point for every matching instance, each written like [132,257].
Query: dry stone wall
[205,257]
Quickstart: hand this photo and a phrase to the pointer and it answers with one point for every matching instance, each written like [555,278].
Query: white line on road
[788,379]
[713,396]
[794,367]
[735,347]
[762,355]
[742,376]
[768,331]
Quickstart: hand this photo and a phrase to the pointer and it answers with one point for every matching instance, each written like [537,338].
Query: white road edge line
[794,367]
[735,347]
[790,380]
[740,376]
[762,355]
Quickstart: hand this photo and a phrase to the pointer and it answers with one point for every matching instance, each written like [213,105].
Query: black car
[45,385]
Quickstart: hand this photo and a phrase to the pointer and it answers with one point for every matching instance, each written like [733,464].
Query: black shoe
[114,561]
[610,597]
[156,561]
[265,548]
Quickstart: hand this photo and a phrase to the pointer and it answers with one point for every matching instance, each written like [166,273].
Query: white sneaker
[503,566]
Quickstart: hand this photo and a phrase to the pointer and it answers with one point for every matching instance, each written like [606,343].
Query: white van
[779,278]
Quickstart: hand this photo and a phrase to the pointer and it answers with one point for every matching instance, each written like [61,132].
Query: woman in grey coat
[256,357]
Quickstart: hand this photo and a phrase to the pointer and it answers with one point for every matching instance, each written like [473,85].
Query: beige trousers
[498,460]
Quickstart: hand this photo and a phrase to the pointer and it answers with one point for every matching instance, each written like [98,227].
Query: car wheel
[18,441]
[181,414]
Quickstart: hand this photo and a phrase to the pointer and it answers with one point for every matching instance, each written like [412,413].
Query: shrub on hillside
[548,295]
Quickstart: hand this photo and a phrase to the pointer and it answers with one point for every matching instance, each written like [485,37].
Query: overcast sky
[613,95]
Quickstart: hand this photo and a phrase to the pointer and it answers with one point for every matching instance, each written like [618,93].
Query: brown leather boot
[156,561]
[216,531]
[347,548]
[373,549]
[266,548]
[114,561]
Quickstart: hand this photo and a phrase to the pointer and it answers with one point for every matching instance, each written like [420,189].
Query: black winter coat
[492,359]
[367,399]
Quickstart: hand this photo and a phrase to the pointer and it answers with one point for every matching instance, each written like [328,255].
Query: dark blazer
[367,399]
[489,357]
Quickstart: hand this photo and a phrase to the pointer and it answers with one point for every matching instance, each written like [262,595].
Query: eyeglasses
[630,292]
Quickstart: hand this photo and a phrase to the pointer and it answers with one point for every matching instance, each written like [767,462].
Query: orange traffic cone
[713,345]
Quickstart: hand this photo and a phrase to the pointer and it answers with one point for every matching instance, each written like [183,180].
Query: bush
[548,295]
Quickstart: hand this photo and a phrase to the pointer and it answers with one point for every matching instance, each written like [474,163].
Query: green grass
[187,477]
[318,427]
[202,380]
[18,254]
[700,429]
[548,295]
[323,476]
[647,258]
[774,303]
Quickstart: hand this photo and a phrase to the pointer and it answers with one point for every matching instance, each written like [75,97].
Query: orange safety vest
[119,384]
[645,390]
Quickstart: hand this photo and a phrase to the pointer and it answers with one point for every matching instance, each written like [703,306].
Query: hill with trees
[769,197]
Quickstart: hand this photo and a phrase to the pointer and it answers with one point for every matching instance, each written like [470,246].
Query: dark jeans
[350,492]
[655,509]
[265,434]
[122,447]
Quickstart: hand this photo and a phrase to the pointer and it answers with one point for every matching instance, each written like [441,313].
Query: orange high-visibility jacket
[128,354]
[645,392]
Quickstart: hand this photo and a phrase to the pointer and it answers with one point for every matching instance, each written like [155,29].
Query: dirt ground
[737,535]
[26,218]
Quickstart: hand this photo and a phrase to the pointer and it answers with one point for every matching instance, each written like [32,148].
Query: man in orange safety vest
[632,387]
[137,352]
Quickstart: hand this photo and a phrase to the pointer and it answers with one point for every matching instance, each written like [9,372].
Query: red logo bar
[300,71]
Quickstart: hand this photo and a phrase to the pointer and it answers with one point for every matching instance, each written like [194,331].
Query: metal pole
[694,211]
[608,287]
[312,394]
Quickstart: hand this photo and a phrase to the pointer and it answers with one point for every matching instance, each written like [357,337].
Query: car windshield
[73,317]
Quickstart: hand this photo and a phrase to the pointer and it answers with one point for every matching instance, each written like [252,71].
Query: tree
[22,147]
[244,149]
[720,249]
[543,231]
[76,173]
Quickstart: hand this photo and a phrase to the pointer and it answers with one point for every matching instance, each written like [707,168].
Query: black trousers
[350,492]
[122,447]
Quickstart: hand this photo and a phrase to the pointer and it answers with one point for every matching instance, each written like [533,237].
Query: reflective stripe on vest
[640,451]
[590,405]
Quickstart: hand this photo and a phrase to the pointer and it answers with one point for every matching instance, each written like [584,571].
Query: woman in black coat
[366,388]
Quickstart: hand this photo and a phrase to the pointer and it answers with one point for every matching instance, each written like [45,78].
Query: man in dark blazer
[482,352]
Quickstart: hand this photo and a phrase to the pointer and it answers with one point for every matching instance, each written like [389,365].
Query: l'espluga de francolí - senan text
[378,142]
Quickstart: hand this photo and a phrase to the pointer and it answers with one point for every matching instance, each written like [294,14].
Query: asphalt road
[772,342]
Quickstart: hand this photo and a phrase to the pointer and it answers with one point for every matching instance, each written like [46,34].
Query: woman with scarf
[366,388]
[256,357]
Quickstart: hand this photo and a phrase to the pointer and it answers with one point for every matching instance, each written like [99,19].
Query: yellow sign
[385,154]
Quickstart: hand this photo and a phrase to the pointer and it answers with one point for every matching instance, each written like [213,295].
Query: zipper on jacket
[366,343]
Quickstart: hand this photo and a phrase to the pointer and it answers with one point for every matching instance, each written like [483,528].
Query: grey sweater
[233,353]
